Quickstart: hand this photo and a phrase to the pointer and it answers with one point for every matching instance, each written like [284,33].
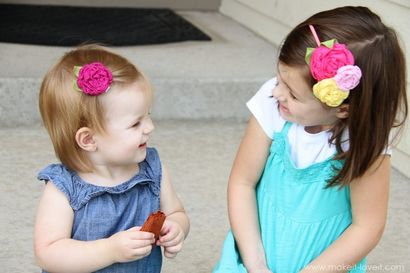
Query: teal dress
[298,217]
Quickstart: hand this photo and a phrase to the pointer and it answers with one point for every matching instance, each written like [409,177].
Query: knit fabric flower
[325,61]
[92,79]
[332,65]
[328,92]
[348,77]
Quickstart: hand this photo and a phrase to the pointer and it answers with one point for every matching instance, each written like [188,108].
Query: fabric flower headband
[332,65]
[92,79]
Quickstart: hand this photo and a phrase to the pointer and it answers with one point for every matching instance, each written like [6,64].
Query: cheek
[296,108]
[134,137]
[305,113]
[277,91]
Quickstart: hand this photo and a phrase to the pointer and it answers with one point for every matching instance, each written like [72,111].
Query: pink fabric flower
[348,77]
[94,78]
[325,61]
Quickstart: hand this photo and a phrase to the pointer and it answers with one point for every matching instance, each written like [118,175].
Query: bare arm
[55,251]
[176,226]
[246,171]
[369,199]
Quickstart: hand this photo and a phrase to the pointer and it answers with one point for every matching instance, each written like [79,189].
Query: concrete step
[199,155]
[192,80]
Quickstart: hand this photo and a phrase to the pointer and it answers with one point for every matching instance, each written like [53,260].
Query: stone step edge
[205,98]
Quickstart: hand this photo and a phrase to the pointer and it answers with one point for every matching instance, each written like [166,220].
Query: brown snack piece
[154,223]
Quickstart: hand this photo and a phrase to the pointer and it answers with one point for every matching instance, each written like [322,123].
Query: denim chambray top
[100,212]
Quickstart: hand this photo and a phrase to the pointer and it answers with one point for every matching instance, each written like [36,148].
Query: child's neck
[317,128]
[109,176]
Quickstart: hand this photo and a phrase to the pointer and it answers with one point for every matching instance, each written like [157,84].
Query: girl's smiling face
[297,103]
[127,126]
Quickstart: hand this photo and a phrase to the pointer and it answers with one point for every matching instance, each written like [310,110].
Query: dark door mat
[71,26]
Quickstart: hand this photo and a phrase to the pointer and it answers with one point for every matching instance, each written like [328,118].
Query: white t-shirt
[306,148]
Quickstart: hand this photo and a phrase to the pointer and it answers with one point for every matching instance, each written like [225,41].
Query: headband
[92,79]
[332,65]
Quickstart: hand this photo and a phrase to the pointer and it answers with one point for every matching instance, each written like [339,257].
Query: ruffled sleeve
[61,177]
[264,108]
[79,192]
[153,168]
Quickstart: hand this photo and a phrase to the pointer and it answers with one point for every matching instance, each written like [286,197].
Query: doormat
[72,26]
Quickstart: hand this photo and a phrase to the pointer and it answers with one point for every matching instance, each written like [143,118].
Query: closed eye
[136,124]
[291,93]
[289,90]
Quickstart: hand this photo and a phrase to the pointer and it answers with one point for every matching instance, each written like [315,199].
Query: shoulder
[60,176]
[53,170]
[264,108]
[369,195]
[58,173]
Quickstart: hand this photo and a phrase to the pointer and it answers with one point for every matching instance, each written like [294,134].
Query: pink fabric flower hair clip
[332,65]
[92,79]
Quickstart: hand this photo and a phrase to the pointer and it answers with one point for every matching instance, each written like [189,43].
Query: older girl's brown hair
[65,110]
[379,102]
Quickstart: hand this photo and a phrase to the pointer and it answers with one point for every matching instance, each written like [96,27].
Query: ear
[343,111]
[85,139]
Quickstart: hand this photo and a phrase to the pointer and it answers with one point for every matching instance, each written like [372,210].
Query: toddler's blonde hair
[65,110]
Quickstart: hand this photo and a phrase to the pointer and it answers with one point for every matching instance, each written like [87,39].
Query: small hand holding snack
[172,238]
[130,245]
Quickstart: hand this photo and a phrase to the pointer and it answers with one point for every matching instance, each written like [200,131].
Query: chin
[141,157]
[289,119]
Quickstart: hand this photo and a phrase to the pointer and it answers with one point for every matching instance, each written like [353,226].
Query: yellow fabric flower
[327,92]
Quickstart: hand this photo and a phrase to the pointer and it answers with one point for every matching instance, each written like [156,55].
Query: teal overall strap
[285,128]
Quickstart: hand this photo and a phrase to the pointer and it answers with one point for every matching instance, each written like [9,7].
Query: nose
[279,93]
[149,126]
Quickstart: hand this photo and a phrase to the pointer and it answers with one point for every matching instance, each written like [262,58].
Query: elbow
[378,234]
[376,231]
[239,187]
[372,234]
[40,257]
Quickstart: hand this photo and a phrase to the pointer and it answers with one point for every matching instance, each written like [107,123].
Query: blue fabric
[298,217]
[100,212]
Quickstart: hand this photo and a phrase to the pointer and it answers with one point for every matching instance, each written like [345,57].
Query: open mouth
[143,145]
[283,108]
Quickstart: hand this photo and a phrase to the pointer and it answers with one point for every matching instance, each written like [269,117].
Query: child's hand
[171,238]
[131,245]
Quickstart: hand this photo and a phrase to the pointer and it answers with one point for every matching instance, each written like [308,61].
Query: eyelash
[139,122]
[291,93]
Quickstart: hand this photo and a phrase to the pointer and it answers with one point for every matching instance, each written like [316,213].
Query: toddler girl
[309,186]
[96,107]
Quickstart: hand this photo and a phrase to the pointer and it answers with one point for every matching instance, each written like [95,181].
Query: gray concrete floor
[199,155]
